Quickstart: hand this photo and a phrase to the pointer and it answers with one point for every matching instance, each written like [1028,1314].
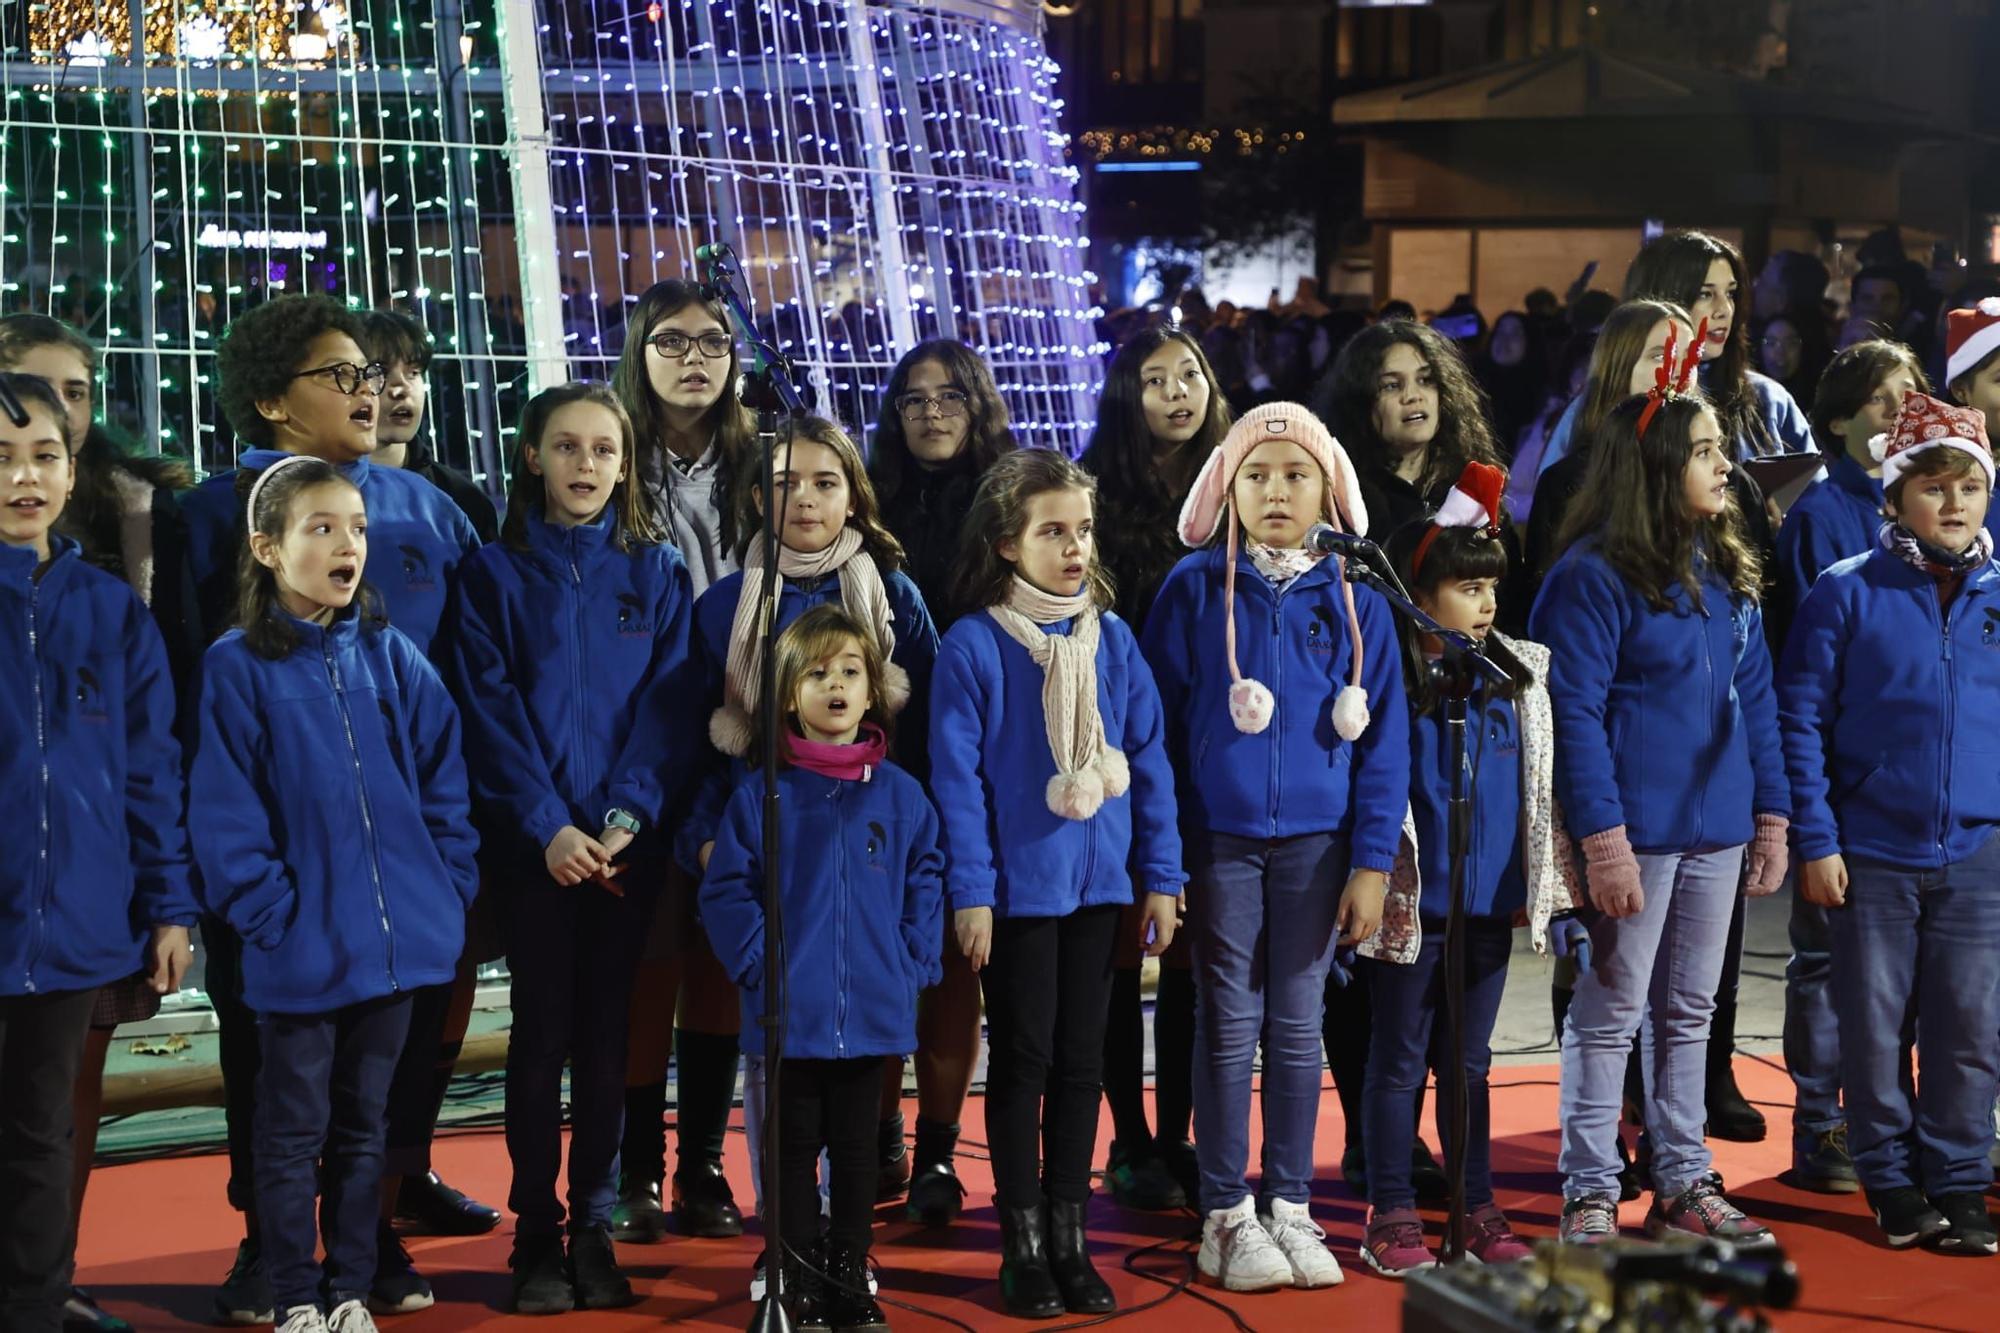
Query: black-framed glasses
[671,342]
[350,379]
[917,406]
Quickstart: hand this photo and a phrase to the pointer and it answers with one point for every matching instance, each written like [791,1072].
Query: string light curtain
[888,171]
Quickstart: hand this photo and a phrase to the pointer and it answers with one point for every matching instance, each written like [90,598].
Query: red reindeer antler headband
[1670,381]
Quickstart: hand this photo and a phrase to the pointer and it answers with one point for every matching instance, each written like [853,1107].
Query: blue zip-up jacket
[1833,519]
[1494,886]
[98,853]
[714,615]
[1297,776]
[330,816]
[862,893]
[572,663]
[416,538]
[1887,706]
[1783,419]
[1665,720]
[990,771]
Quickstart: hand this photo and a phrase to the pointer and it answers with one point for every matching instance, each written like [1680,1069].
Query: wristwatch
[625,819]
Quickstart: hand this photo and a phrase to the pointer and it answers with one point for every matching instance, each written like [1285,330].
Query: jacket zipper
[840,932]
[367,815]
[585,766]
[1277,731]
[1950,716]
[1708,714]
[42,750]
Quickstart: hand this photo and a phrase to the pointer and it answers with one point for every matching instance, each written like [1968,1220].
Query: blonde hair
[818,636]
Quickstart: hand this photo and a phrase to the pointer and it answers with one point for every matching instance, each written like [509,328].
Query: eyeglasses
[350,378]
[916,406]
[672,343]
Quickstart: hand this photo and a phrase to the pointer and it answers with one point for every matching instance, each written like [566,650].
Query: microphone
[713,251]
[1329,540]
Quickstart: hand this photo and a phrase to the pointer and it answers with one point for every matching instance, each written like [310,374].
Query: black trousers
[41,1045]
[1048,995]
[422,1077]
[830,1104]
[240,1056]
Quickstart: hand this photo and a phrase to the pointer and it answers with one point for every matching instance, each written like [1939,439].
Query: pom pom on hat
[1350,712]
[1251,706]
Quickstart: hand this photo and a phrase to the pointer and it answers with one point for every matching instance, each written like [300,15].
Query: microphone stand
[1459,672]
[770,389]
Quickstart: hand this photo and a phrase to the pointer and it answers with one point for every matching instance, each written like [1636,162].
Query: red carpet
[157,1235]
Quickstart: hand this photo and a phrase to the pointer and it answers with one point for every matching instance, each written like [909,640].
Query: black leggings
[830,1104]
[1048,990]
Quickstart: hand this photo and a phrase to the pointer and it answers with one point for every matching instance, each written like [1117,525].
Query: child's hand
[1360,913]
[707,850]
[168,958]
[1824,882]
[573,856]
[974,928]
[614,841]
[1162,919]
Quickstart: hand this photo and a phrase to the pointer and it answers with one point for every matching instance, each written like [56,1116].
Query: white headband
[250,514]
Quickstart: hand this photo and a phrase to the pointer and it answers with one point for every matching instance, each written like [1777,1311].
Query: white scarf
[1281,564]
[861,593]
[1087,768]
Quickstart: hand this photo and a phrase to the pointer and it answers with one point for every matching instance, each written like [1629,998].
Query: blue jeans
[1812,1034]
[1409,1002]
[1262,912]
[322,1118]
[1661,966]
[1917,952]
[573,952]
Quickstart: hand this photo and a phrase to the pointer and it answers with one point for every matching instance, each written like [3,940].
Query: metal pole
[143,224]
[534,202]
[477,370]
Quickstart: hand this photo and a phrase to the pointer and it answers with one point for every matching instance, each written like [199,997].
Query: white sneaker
[1238,1254]
[302,1319]
[351,1317]
[1303,1242]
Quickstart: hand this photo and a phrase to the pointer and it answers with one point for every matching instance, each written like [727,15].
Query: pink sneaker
[1394,1243]
[1491,1239]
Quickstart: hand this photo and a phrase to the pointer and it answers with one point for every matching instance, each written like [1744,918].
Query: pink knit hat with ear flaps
[1250,702]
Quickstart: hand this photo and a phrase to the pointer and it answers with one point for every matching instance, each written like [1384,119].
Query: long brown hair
[260,613]
[876,539]
[1620,343]
[1675,268]
[1634,501]
[1000,513]
[1464,431]
[636,526]
[735,426]
[987,434]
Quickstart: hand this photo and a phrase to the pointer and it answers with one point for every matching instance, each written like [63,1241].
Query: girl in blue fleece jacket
[1886,695]
[94,872]
[1667,768]
[333,829]
[570,651]
[1292,751]
[1049,765]
[862,892]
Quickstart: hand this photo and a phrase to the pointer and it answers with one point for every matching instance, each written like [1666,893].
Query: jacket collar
[342,633]
[1247,575]
[257,460]
[1983,578]
[578,544]
[18,563]
[1849,475]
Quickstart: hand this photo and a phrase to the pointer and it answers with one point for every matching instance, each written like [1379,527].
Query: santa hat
[1250,702]
[1923,424]
[1474,502]
[1970,336]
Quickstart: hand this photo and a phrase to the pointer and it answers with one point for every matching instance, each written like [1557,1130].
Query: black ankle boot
[1083,1291]
[893,1156]
[1730,1115]
[849,1305]
[936,1196]
[1027,1284]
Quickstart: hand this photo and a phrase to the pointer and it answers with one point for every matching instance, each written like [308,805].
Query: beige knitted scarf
[1087,768]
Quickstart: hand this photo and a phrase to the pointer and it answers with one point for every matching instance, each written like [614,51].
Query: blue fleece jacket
[571,661]
[990,771]
[98,852]
[1297,776]
[715,614]
[416,538]
[862,898]
[1493,883]
[1665,720]
[1887,706]
[330,816]
[1833,520]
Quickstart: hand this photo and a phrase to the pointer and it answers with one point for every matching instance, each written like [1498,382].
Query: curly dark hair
[1464,431]
[263,347]
[1139,501]
[1634,501]
[988,436]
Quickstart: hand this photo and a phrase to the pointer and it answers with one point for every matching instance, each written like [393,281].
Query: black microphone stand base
[770,1316]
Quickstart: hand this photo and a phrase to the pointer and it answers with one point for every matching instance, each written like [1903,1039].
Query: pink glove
[1765,868]
[1612,873]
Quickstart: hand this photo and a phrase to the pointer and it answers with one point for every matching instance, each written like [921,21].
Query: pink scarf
[856,762]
